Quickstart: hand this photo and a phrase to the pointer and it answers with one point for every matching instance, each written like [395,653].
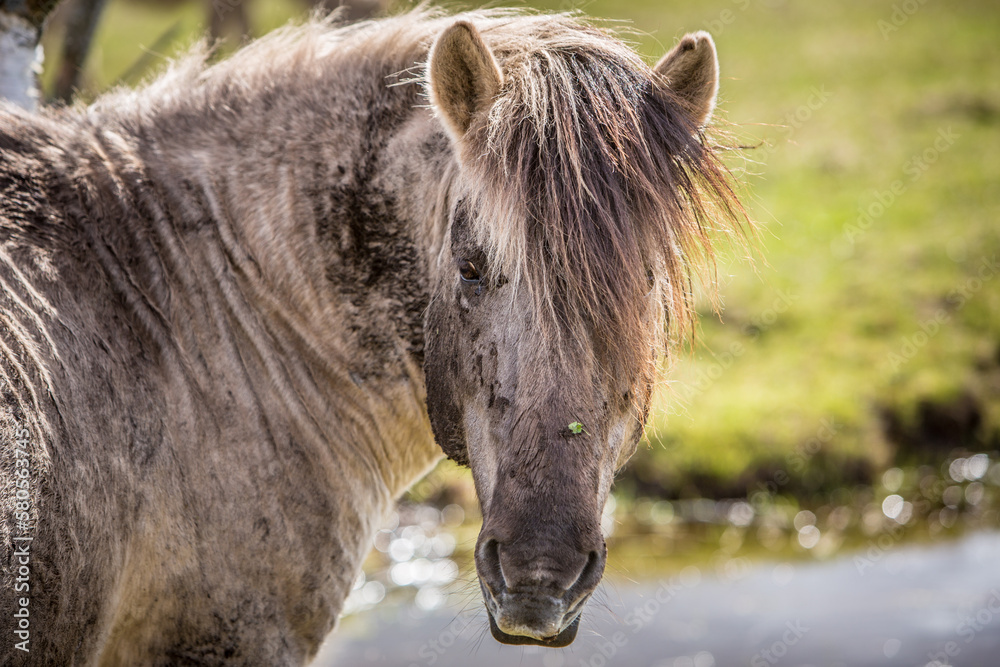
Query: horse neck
[306,251]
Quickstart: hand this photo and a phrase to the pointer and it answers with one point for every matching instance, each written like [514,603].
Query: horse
[246,305]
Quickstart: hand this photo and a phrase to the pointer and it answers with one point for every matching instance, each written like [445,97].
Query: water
[911,605]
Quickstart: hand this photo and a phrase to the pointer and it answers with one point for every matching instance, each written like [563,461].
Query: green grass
[818,366]
[849,346]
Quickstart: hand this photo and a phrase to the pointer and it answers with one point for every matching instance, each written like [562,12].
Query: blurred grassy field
[871,331]
[868,330]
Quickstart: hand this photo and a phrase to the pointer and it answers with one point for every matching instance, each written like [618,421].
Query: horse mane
[589,185]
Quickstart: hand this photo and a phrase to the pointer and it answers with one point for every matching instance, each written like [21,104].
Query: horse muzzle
[537,601]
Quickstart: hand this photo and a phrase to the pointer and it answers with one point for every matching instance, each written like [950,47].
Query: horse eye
[468,271]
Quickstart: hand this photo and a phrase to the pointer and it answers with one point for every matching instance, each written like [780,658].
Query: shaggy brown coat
[215,297]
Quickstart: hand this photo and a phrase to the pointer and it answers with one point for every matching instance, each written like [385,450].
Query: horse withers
[247,305]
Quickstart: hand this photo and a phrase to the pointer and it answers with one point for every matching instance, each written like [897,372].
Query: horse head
[582,196]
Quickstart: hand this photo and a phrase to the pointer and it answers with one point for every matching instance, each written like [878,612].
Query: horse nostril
[593,567]
[590,576]
[489,566]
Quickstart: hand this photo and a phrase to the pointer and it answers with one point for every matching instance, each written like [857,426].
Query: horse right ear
[464,76]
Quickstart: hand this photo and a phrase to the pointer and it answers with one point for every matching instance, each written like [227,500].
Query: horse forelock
[593,190]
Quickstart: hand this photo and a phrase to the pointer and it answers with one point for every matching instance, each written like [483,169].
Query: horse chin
[564,638]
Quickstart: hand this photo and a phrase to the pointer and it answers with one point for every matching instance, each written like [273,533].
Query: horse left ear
[691,71]
[464,76]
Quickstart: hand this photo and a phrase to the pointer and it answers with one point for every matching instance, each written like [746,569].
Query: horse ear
[464,76]
[691,71]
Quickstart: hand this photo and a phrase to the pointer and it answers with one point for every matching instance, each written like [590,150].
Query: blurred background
[820,482]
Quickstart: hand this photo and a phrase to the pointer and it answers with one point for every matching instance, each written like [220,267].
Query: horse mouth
[533,619]
[564,638]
